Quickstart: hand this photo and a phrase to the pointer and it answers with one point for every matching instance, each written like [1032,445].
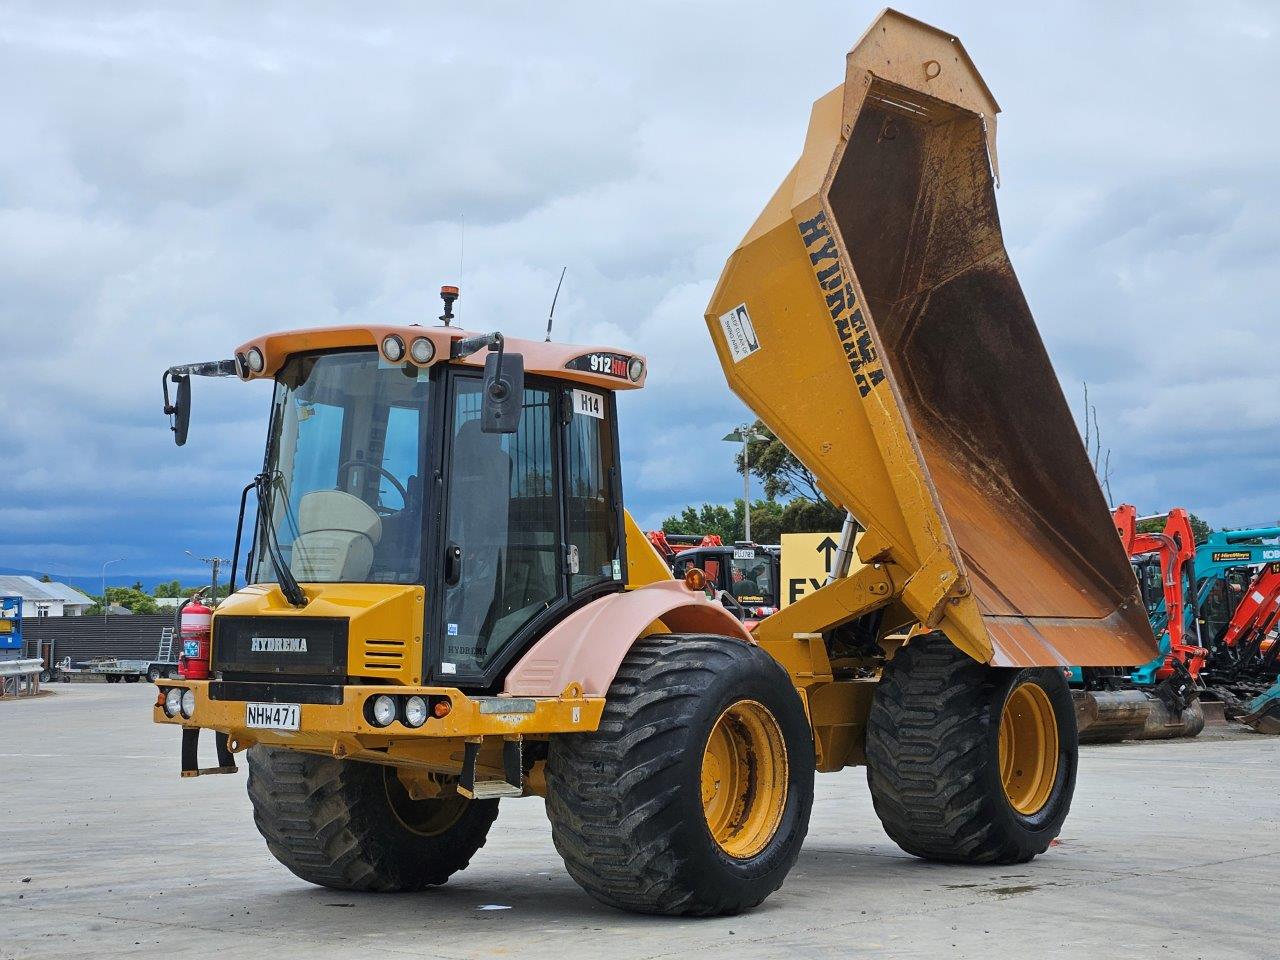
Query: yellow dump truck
[446,603]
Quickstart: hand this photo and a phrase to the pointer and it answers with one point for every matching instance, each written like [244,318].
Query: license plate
[271,716]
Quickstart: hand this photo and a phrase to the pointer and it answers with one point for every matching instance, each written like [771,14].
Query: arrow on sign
[827,547]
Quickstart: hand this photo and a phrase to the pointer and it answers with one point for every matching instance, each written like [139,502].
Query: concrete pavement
[1171,850]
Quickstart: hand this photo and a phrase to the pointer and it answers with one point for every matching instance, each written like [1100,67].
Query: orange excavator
[1244,664]
[1172,553]
[1160,698]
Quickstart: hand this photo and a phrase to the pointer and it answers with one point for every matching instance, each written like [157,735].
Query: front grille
[276,692]
[285,646]
[383,656]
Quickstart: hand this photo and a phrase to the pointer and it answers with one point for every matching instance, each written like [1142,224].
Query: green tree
[781,472]
[806,516]
[767,523]
[710,518]
[784,476]
[130,598]
[171,588]
[770,519]
[46,579]
[1199,527]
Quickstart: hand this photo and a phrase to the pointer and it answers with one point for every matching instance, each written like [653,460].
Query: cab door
[502,571]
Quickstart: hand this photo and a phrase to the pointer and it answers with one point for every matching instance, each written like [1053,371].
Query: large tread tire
[343,824]
[933,756]
[625,801]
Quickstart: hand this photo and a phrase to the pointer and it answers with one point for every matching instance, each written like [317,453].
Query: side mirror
[179,412]
[503,392]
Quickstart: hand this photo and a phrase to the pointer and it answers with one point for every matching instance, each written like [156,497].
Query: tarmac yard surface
[1171,850]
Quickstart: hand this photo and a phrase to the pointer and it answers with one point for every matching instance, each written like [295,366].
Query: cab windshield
[345,463]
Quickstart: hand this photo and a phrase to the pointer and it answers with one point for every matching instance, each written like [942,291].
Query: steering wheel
[382,510]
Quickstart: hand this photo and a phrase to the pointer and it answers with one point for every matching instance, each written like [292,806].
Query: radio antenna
[462,245]
[552,315]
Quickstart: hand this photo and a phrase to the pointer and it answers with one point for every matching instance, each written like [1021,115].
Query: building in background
[41,599]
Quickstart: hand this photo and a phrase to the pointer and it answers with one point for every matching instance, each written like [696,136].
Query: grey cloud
[176,180]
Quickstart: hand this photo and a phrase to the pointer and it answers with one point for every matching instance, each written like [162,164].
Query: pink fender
[588,646]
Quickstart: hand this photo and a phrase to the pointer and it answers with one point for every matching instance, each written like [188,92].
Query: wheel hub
[1028,748]
[744,779]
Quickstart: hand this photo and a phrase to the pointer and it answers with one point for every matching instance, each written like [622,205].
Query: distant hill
[93,584]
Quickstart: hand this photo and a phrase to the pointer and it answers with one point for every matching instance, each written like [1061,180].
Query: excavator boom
[872,319]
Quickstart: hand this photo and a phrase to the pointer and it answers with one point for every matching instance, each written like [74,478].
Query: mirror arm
[469,345]
[208,368]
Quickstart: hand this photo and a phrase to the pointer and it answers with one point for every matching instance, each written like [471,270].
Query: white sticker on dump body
[588,404]
[739,333]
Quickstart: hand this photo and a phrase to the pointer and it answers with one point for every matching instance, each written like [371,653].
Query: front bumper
[343,730]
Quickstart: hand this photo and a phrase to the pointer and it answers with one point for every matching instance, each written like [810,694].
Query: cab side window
[590,514]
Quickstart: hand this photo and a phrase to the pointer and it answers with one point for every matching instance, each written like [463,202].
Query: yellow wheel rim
[427,818]
[1028,748]
[744,779]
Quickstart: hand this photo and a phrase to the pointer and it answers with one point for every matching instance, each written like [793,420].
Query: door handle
[452,564]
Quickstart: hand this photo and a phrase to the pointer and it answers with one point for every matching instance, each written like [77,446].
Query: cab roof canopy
[599,366]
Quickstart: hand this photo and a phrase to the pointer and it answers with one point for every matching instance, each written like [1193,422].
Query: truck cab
[744,576]
[429,549]
[434,508]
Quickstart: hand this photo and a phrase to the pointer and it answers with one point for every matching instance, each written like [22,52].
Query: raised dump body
[921,394]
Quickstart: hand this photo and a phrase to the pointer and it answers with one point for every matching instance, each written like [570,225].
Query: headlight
[173,702]
[255,359]
[635,369]
[415,712]
[383,710]
[422,350]
[393,348]
[188,703]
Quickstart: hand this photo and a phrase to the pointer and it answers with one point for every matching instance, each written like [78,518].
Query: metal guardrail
[9,668]
[18,677]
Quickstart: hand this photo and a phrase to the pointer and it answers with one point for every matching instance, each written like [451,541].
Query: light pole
[216,563]
[744,435]
[105,604]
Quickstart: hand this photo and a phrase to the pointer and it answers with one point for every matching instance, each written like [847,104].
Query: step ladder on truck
[406,652]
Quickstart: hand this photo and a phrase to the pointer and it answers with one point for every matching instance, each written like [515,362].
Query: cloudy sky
[174,181]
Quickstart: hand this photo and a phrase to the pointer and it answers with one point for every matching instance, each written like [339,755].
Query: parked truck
[447,605]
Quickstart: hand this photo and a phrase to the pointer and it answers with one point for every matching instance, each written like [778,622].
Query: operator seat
[336,536]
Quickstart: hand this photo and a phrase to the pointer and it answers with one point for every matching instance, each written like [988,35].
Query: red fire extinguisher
[194,620]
